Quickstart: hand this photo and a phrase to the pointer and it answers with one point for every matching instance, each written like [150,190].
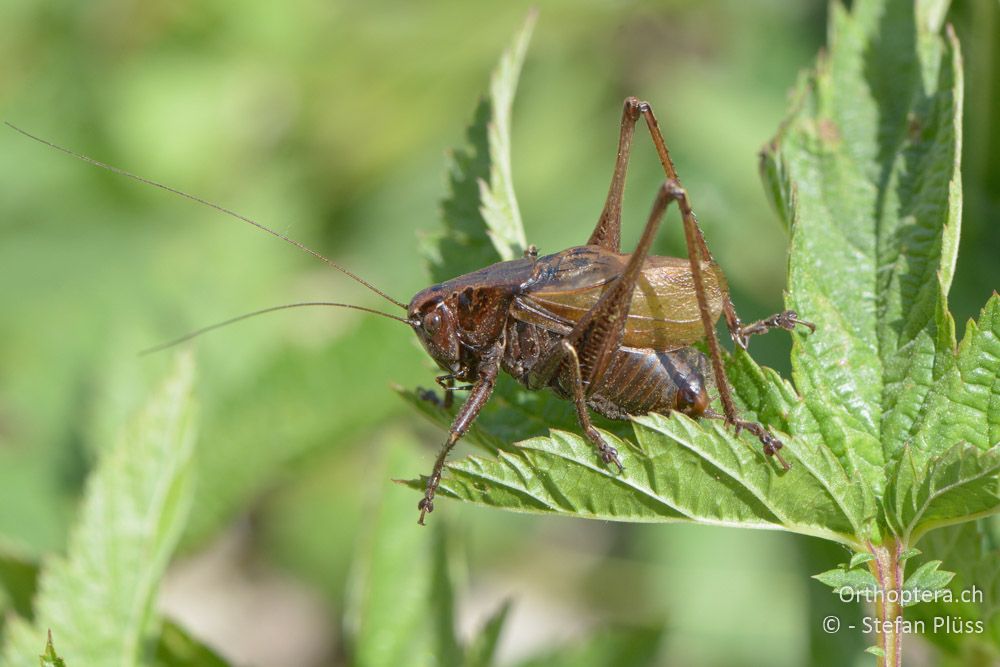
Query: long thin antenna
[205,202]
[233,320]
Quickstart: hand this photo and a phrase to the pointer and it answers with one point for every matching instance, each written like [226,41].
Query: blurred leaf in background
[401,606]
[99,598]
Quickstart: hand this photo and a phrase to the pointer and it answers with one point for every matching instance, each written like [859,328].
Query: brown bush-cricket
[610,332]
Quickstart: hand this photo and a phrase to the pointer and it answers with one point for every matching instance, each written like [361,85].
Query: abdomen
[637,380]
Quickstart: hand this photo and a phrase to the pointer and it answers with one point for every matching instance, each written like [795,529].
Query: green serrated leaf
[867,172]
[50,658]
[679,471]
[964,405]
[860,582]
[908,554]
[958,485]
[482,223]
[400,611]
[924,581]
[499,205]
[98,599]
[860,558]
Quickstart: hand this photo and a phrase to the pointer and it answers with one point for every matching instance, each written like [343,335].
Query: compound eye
[432,322]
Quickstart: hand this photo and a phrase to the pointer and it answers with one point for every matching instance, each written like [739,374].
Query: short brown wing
[664,311]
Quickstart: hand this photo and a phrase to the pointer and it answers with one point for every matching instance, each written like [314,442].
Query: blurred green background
[330,122]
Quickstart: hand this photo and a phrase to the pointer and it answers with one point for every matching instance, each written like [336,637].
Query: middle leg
[607,453]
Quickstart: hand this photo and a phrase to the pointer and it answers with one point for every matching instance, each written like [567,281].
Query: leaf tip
[50,658]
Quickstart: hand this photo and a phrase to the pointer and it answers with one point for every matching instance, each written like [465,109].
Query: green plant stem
[888,570]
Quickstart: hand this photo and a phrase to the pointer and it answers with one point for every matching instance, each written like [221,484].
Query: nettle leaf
[98,599]
[926,579]
[851,582]
[961,422]
[482,222]
[499,205]
[50,658]
[678,471]
[866,172]
[958,484]
[860,558]
[964,404]
[860,583]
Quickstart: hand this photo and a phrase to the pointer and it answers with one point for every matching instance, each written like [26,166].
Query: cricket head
[433,318]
